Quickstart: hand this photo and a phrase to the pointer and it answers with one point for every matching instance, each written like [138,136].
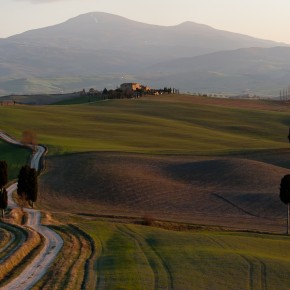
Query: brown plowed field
[233,192]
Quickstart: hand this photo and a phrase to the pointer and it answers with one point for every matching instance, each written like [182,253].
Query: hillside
[99,49]
[264,70]
[229,191]
[172,124]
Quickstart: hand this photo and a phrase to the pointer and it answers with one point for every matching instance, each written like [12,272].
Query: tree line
[95,95]
[27,187]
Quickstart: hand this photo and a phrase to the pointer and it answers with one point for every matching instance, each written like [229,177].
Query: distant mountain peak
[191,24]
[101,18]
[99,43]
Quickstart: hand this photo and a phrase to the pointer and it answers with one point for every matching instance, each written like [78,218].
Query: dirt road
[52,241]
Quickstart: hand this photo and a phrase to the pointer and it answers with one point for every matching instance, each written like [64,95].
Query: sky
[267,19]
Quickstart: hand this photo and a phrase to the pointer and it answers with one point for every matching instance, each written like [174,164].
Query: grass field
[193,186]
[173,125]
[138,257]
[15,156]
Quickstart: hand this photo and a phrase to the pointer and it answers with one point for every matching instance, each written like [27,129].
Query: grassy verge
[17,236]
[17,260]
[69,269]
[5,237]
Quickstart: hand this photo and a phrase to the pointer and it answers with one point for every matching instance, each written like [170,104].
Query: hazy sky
[268,19]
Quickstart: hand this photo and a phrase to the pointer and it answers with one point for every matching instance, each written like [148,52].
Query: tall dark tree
[3,182]
[3,200]
[3,174]
[105,91]
[23,181]
[27,187]
[32,189]
[285,195]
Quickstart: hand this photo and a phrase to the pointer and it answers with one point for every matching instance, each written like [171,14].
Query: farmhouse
[132,87]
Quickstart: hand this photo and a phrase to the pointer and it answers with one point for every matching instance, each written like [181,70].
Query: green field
[131,256]
[15,156]
[138,257]
[169,126]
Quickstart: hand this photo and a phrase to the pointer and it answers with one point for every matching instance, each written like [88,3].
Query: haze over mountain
[100,49]
[263,69]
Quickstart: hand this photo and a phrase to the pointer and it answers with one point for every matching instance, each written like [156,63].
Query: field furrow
[17,238]
[143,247]
[163,278]
[19,257]
[257,269]
[68,271]
[6,238]
[100,277]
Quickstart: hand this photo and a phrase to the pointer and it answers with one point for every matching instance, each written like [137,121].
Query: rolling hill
[192,189]
[260,69]
[99,49]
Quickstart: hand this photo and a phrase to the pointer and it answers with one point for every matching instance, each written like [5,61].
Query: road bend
[52,241]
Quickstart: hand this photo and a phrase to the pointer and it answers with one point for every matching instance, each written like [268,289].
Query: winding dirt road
[52,241]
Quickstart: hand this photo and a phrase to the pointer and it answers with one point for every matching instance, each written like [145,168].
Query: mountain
[260,70]
[102,45]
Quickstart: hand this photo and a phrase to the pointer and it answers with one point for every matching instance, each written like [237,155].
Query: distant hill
[101,45]
[254,69]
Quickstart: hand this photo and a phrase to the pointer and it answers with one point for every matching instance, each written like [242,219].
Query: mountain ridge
[97,44]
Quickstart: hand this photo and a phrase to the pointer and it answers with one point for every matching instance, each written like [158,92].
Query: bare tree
[29,138]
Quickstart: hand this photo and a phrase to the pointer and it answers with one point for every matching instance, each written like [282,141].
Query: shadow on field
[233,192]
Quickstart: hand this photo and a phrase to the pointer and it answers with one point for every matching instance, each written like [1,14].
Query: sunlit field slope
[136,257]
[169,125]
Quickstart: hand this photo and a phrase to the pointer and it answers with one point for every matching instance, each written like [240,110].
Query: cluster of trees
[27,187]
[94,95]
[166,90]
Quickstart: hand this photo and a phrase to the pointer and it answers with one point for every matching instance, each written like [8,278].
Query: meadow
[211,166]
[129,256]
[173,125]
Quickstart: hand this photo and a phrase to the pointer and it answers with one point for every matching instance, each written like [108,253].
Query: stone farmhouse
[132,87]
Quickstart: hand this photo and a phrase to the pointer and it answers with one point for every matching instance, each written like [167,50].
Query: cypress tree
[22,185]
[285,195]
[3,200]
[32,186]
[3,174]
[3,182]
[27,187]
